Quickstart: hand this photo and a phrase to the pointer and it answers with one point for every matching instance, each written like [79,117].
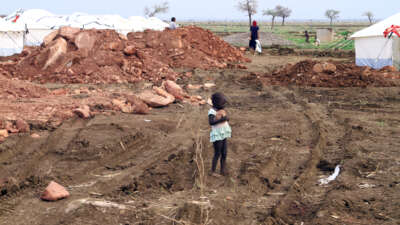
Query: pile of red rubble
[330,74]
[71,55]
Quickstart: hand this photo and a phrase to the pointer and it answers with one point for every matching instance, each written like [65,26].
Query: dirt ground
[266,39]
[147,169]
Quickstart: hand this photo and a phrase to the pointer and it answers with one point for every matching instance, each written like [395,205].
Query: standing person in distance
[173,25]
[253,36]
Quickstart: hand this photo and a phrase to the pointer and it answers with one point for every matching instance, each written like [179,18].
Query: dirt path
[130,169]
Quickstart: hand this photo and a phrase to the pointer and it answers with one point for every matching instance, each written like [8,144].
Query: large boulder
[50,37]
[84,41]
[130,50]
[69,32]
[139,106]
[54,192]
[174,89]
[154,100]
[57,49]
[121,105]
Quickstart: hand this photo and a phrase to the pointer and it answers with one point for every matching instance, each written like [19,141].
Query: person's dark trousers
[220,150]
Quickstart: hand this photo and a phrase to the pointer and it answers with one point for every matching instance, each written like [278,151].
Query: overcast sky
[210,9]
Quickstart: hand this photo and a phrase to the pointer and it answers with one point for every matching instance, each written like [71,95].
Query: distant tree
[273,13]
[156,9]
[332,14]
[283,12]
[248,6]
[370,16]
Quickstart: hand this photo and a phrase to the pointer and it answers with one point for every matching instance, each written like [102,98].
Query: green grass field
[293,31]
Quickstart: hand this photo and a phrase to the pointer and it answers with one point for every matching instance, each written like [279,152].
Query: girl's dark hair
[218,100]
[173,19]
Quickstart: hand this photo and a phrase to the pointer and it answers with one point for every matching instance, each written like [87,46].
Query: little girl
[220,130]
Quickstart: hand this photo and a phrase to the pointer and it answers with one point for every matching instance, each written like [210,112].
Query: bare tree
[332,14]
[283,12]
[273,13]
[370,16]
[156,9]
[248,6]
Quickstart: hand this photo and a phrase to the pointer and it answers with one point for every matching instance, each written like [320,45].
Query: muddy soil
[147,169]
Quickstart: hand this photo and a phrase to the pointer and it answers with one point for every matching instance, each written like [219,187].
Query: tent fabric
[375,52]
[11,42]
[377,29]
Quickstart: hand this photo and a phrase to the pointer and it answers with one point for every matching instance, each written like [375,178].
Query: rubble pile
[330,74]
[71,55]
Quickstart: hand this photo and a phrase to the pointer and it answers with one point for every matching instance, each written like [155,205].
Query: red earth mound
[71,55]
[20,89]
[328,74]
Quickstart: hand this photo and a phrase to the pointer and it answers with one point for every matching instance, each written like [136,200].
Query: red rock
[2,139]
[329,68]
[324,67]
[114,46]
[139,106]
[318,68]
[130,50]
[243,49]
[164,93]
[4,133]
[10,127]
[241,66]
[83,112]
[174,89]
[22,126]
[50,37]
[125,108]
[68,32]
[123,37]
[57,49]
[84,41]
[54,192]
[154,100]
[389,69]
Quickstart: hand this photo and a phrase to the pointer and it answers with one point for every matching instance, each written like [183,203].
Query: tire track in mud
[304,197]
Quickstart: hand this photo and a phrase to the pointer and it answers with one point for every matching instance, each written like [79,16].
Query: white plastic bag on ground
[258,46]
[331,177]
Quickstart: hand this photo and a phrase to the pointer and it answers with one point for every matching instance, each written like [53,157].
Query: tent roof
[378,28]
[6,26]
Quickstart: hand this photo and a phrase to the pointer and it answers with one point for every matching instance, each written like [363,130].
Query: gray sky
[210,9]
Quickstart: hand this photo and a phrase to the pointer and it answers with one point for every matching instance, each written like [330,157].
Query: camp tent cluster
[373,49]
[30,27]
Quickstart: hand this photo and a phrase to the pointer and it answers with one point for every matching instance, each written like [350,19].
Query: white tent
[11,38]
[372,48]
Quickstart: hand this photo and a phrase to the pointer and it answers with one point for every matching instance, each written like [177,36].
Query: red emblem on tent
[394,29]
[16,18]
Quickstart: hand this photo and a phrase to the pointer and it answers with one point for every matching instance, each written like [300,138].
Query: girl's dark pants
[220,150]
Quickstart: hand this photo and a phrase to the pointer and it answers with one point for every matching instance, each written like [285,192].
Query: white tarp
[372,49]
[40,22]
